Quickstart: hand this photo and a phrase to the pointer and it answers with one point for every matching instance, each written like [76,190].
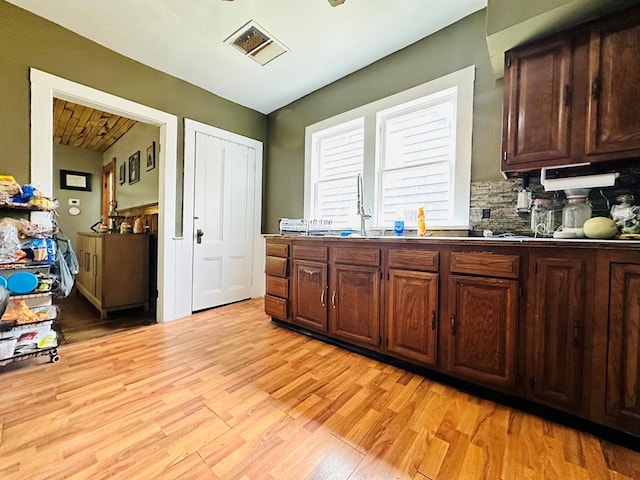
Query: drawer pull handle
[310,272]
[433,319]
[322,297]
[333,300]
[453,324]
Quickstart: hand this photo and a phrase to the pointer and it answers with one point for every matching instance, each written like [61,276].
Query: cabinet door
[309,294]
[613,124]
[537,105]
[412,306]
[556,336]
[623,362]
[483,329]
[355,298]
[86,250]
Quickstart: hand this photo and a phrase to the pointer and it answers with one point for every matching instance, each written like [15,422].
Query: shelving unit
[25,338]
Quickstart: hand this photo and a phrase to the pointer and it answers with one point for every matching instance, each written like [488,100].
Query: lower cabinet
[309,295]
[276,269]
[482,334]
[114,270]
[560,306]
[412,315]
[355,304]
[622,400]
[457,309]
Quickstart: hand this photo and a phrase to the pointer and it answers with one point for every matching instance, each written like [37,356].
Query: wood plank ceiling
[85,127]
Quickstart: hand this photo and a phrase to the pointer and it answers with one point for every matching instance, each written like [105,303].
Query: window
[339,154]
[413,149]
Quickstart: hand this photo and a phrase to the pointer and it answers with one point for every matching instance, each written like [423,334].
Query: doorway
[44,87]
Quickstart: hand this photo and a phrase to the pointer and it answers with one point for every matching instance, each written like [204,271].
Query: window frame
[463,80]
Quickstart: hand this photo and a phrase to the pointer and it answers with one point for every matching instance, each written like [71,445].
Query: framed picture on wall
[151,156]
[134,168]
[123,173]
[70,180]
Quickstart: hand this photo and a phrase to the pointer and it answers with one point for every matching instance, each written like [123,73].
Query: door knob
[199,235]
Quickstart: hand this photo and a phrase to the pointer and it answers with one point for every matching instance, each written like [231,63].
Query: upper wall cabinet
[613,118]
[573,97]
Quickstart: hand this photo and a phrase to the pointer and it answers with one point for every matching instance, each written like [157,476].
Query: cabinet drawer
[367,256]
[414,259]
[310,252]
[275,307]
[277,249]
[278,286]
[276,266]
[486,264]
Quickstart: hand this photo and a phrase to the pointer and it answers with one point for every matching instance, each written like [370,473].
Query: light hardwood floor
[225,394]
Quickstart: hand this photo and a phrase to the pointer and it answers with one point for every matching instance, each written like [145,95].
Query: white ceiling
[185,38]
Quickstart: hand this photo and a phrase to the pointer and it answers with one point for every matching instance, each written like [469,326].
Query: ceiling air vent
[254,42]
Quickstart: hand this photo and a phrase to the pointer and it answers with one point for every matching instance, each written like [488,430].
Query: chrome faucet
[361,209]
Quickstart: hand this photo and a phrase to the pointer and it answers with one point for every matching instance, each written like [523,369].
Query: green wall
[83,160]
[27,40]
[446,51]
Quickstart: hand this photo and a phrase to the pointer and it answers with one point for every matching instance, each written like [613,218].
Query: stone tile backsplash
[500,197]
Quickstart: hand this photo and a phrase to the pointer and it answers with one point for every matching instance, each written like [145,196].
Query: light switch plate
[74,202]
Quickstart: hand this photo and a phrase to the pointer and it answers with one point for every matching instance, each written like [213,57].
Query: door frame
[44,87]
[191,127]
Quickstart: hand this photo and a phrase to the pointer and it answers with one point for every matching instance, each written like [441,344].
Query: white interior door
[223,223]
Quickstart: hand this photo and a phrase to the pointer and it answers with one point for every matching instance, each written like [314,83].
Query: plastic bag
[64,282]
[10,249]
[66,251]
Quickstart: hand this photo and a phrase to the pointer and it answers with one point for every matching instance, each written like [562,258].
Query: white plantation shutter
[417,159]
[413,149]
[338,159]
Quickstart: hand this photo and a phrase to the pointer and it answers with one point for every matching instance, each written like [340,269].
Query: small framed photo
[70,180]
[123,173]
[134,168]
[151,156]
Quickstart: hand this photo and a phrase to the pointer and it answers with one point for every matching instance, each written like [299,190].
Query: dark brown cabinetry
[482,333]
[412,314]
[310,288]
[537,108]
[452,307]
[354,314]
[276,300]
[412,304]
[310,291]
[566,98]
[613,118]
[560,307]
[622,401]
